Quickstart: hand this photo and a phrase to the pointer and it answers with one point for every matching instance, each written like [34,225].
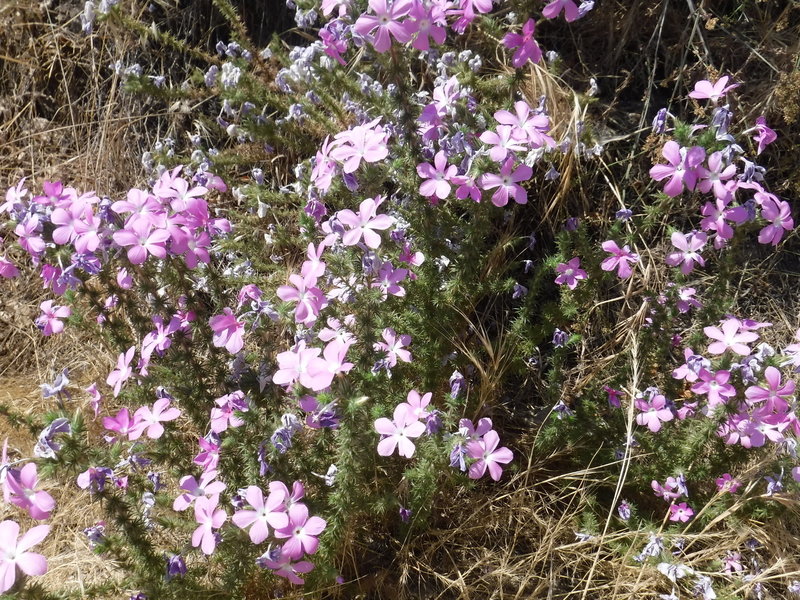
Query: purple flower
[405,514]
[176,566]
[560,338]
[683,168]
[570,273]
[624,510]
[528,49]
[688,251]
[621,259]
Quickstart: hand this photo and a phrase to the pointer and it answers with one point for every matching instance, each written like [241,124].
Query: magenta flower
[467,188]
[302,532]
[507,183]
[149,420]
[437,176]
[689,247]
[228,331]
[715,385]
[208,457]
[426,22]
[764,135]
[728,337]
[197,489]
[528,49]
[779,214]
[397,433]
[142,240]
[362,142]
[554,8]
[653,412]
[123,371]
[365,223]
[50,319]
[210,518]
[385,23]
[489,456]
[775,395]
[727,483]
[621,259]
[614,396]
[14,553]
[705,90]
[716,216]
[122,423]
[22,487]
[680,512]
[683,168]
[263,514]
[28,231]
[393,345]
[570,273]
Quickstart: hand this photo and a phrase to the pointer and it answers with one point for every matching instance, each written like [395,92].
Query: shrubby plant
[307,366]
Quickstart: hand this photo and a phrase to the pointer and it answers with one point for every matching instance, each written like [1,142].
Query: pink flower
[7,268]
[394,346]
[528,48]
[507,183]
[680,512]
[775,395]
[223,416]
[210,518]
[23,493]
[13,553]
[527,125]
[150,420]
[621,259]
[689,246]
[387,23]
[228,331]
[310,299]
[502,142]
[715,385]
[570,273]
[123,371]
[715,177]
[729,338]
[686,300]
[779,214]
[764,135]
[666,491]
[365,223]
[705,90]
[283,566]
[727,483]
[304,366]
[49,321]
[397,433]
[416,404]
[554,8]
[466,187]
[488,455]
[335,355]
[683,168]
[143,240]
[121,423]
[302,532]
[263,514]
[437,177]
[197,489]
[653,412]
[362,142]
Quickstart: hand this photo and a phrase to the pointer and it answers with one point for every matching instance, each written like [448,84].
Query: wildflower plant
[271,333]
